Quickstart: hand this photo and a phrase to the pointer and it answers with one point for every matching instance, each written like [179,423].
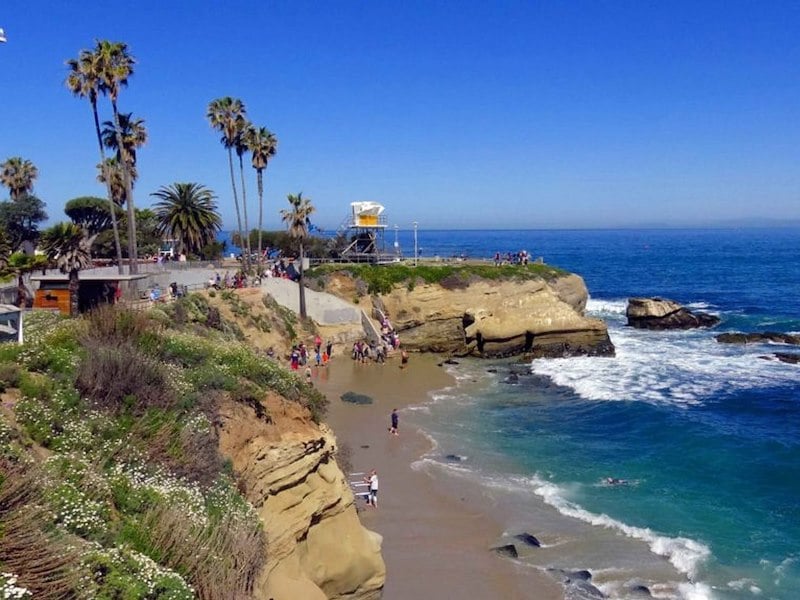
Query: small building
[10,323]
[93,290]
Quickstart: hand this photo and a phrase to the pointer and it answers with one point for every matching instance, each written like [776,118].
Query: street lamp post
[415,243]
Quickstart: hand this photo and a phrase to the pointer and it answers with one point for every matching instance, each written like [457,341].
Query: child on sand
[395,418]
[403,359]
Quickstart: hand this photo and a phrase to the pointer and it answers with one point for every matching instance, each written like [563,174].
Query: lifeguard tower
[366,227]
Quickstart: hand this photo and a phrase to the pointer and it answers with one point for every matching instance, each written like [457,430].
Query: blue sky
[455,114]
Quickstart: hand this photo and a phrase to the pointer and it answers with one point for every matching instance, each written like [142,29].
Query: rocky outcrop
[498,318]
[317,548]
[658,313]
[758,338]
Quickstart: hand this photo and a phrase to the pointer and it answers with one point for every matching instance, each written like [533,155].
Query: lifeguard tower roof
[368,215]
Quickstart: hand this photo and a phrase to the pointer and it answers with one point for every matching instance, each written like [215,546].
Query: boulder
[659,313]
[756,338]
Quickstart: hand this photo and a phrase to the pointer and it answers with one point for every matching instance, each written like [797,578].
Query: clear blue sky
[456,114]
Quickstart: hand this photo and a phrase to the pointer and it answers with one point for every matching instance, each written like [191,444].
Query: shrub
[120,377]
[9,375]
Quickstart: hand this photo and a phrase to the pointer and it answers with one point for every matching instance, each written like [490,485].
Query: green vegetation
[381,279]
[128,496]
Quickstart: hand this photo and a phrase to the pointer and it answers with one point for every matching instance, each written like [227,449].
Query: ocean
[706,436]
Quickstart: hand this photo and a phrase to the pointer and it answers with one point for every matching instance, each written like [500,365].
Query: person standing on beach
[329,348]
[403,359]
[395,418]
[373,489]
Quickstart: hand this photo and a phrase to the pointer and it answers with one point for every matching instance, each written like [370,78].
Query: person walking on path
[395,418]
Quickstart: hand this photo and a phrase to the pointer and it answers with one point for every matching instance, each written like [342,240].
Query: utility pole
[415,243]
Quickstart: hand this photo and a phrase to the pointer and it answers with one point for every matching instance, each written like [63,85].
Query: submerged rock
[354,398]
[659,313]
[527,538]
[507,550]
[788,357]
[755,338]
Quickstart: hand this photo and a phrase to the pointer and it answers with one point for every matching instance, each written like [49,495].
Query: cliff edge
[464,314]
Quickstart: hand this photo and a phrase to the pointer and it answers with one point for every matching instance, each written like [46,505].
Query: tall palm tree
[18,175]
[297,222]
[187,212]
[69,247]
[241,148]
[133,134]
[229,116]
[84,81]
[115,67]
[263,145]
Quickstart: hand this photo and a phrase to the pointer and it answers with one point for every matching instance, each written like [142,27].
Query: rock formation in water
[659,313]
[757,338]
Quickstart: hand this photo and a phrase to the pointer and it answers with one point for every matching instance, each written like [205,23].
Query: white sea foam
[608,307]
[677,367]
[685,554]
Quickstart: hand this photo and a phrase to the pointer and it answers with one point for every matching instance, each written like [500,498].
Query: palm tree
[18,175]
[69,247]
[228,116]
[84,81]
[115,67]
[20,264]
[133,134]
[263,145]
[116,179]
[297,221]
[187,212]
[241,148]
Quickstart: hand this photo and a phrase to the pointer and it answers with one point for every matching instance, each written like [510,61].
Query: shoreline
[436,535]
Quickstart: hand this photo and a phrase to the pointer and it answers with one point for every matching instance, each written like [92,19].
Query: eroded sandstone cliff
[316,546]
[492,318]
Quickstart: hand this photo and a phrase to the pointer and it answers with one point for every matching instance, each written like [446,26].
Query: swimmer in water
[616,481]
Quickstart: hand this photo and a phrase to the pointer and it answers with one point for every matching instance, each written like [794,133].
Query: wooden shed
[93,290]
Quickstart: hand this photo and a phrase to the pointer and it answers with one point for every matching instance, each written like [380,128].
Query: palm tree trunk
[235,198]
[74,286]
[302,286]
[111,205]
[260,173]
[126,176]
[244,207]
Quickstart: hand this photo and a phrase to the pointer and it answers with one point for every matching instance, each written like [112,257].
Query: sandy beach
[436,536]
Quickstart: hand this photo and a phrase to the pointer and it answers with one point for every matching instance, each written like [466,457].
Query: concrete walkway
[325,309]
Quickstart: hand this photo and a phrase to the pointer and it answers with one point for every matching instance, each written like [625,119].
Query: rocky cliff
[317,548]
[491,317]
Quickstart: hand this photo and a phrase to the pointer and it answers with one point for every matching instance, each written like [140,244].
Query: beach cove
[436,537]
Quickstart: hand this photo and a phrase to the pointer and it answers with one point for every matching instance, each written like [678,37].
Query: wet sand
[436,535]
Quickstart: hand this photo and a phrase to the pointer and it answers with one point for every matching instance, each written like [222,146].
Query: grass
[382,279]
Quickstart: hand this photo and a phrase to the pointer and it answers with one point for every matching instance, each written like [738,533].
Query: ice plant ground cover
[109,459]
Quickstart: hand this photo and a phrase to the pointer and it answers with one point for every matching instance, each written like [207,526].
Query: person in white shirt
[373,489]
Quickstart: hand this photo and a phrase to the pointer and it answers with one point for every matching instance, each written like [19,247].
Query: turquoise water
[707,436]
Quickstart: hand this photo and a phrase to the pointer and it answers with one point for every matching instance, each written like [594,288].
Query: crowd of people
[511,258]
